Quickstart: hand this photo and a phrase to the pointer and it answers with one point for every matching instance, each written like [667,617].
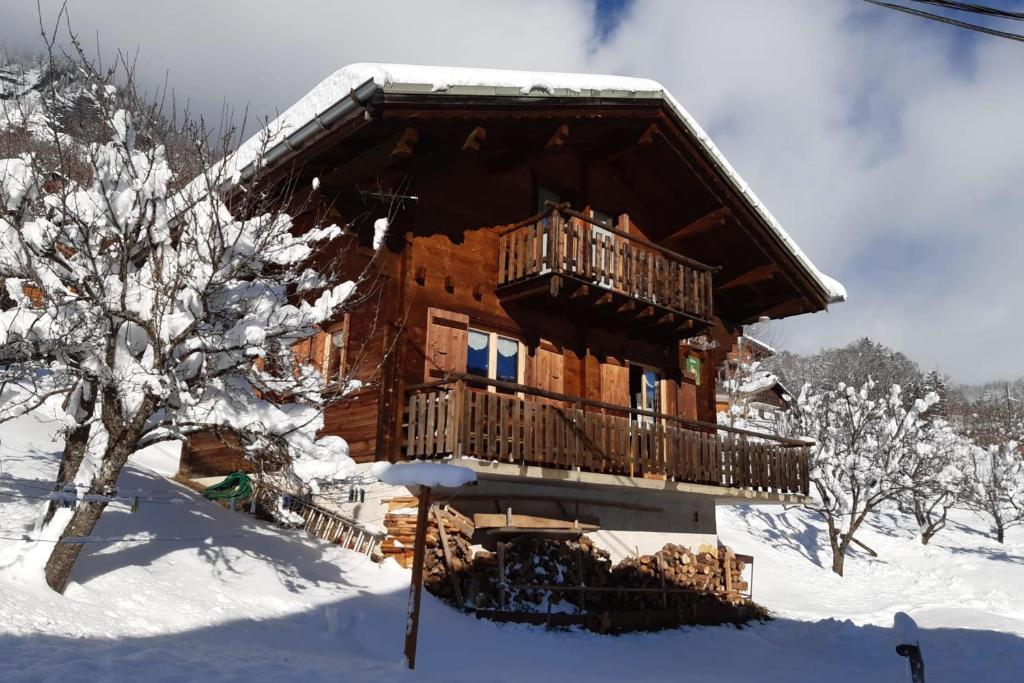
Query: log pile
[400,521]
[533,561]
[674,578]
[709,571]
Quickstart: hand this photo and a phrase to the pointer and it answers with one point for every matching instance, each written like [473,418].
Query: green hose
[235,486]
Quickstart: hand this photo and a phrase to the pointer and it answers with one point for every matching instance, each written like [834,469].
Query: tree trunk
[64,555]
[838,556]
[1000,533]
[838,547]
[74,449]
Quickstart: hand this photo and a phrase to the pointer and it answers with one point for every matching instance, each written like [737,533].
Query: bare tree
[146,308]
[863,439]
[933,478]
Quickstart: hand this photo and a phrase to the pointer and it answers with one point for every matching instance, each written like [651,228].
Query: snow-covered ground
[216,595]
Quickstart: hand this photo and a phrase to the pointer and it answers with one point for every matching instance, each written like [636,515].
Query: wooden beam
[712,220]
[649,134]
[581,292]
[559,138]
[366,164]
[752,276]
[474,139]
[788,307]
[404,147]
[483,520]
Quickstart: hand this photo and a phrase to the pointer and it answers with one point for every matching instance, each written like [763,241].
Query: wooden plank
[485,520]
[450,569]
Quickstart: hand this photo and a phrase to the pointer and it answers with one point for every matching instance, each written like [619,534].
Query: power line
[84,540]
[974,8]
[948,20]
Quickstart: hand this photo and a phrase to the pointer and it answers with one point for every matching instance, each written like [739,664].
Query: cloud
[890,147]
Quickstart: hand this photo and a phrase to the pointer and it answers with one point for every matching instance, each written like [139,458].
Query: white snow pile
[423,474]
[201,593]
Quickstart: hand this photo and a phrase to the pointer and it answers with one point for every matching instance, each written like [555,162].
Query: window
[478,357]
[645,391]
[494,356]
[325,351]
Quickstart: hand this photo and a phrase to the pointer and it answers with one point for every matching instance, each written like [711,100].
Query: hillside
[215,595]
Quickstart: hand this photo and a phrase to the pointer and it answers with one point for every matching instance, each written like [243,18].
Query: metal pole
[415,588]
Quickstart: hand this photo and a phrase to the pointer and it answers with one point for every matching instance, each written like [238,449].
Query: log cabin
[568,261]
[744,386]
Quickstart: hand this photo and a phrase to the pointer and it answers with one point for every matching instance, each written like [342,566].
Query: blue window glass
[508,360]
[479,354]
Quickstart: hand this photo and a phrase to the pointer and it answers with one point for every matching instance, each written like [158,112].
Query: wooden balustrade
[532,427]
[565,243]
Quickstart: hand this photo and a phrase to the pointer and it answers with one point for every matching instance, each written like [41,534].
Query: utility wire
[947,20]
[974,8]
[79,541]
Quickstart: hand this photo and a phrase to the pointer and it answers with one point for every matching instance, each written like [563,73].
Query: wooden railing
[562,241]
[328,525]
[534,427]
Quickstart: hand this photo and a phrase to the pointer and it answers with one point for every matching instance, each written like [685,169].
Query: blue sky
[889,146]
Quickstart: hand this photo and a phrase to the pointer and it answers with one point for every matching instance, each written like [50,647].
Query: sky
[890,147]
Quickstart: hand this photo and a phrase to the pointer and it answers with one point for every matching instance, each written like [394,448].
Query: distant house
[746,390]
[568,264]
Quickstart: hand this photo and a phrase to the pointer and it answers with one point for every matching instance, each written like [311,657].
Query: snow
[380,230]
[423,474]
[441,79]
[904,630]
[239,600]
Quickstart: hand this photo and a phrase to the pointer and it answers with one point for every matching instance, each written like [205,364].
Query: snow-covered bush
[864,438]
[157,312]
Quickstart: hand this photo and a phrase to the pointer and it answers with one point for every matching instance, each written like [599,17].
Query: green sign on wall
[693,368]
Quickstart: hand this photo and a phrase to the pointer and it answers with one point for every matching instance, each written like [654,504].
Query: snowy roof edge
[499,82]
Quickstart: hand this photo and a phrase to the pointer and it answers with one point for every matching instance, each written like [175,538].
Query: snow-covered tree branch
[157,308]
[864,438]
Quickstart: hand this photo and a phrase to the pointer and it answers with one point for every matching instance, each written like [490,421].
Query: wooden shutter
[615,384]
[447,343]
[549,370]
[687,400]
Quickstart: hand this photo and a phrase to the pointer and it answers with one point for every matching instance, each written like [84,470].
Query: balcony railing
[563,242]
[530,426]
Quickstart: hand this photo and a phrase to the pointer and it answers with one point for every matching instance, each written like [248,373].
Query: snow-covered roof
[336,88]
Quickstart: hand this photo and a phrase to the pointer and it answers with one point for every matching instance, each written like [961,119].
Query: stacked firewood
[532,561]
[400,521]
[675,575]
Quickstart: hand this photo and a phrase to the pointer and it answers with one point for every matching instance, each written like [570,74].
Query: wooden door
[446,345]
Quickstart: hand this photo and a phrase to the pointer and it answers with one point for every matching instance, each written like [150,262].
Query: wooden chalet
[568,262]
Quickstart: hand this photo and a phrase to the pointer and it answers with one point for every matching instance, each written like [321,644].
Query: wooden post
[456,589]
[416,587]
[914,658]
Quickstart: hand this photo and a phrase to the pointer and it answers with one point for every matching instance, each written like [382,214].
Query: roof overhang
[354,91]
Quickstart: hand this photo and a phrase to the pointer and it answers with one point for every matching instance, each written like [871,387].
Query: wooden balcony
[563,258]
[528,426]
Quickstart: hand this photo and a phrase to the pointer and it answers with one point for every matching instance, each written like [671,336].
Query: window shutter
[549,370]
[615,384]
[687,400]
[447,340]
